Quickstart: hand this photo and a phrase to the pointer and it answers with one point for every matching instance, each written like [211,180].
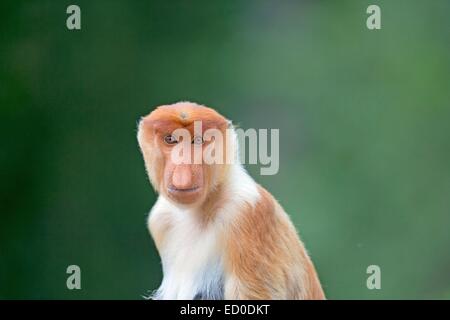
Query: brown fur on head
[184,183]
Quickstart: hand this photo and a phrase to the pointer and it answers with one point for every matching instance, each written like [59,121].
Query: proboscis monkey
[220,235]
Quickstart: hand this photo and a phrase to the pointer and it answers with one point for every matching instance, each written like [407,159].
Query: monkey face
[183,183]
[173,147]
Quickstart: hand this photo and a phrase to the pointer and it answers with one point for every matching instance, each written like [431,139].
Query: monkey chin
[188,197]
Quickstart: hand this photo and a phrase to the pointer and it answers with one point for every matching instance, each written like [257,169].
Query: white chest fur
[191,258]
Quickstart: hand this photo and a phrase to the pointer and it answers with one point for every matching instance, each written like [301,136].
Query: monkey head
[176,141]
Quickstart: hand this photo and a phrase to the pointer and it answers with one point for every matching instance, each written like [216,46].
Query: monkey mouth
[187,190]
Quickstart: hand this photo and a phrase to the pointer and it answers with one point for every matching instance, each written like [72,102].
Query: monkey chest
[192,265]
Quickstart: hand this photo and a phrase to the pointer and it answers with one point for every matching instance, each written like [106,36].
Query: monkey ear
[229,124]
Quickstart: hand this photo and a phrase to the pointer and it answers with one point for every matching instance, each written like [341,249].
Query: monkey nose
[182,177]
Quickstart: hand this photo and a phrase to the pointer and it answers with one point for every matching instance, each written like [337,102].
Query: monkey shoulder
[264,250]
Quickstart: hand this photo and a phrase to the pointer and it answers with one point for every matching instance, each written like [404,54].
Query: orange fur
[261,255]
[266,256]
[166,119]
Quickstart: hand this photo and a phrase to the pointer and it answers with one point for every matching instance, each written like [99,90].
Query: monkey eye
[170,139]
[197,140]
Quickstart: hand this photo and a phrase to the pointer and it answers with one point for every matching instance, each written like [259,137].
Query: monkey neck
[221,195]
[215,199]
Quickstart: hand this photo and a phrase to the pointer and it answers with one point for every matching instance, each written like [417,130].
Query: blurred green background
[363,117]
